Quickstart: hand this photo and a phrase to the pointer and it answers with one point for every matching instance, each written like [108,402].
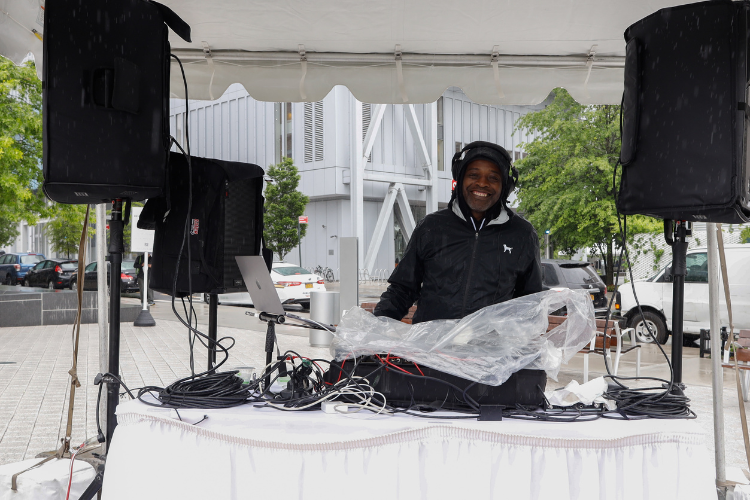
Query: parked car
[655,296]
[128,282]
[293,285]
[14,266]
[575,275]
[51,273]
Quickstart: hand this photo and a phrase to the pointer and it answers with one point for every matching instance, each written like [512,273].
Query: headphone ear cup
[454,165]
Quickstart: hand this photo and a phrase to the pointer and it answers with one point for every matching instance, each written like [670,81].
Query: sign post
[302,219]
[142,240]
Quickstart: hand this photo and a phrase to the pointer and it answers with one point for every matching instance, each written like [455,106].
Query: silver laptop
[258,282]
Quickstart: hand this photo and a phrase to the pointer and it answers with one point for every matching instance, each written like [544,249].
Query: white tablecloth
[249,452]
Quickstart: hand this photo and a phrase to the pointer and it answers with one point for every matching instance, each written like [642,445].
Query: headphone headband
[512,172]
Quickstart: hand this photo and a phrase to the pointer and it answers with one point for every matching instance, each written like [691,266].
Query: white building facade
[369,170]
[397,157]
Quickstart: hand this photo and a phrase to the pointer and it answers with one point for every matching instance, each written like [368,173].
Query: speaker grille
[243,203]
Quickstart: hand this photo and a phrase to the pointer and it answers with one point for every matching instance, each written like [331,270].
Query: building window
[313,131]
[440,129]
[282,130]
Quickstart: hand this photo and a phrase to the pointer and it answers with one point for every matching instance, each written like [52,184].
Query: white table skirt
[248,452]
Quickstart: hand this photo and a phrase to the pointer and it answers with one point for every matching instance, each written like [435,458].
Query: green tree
[64,229]
[566,179]
[745,235]
[20,148]
[283,205]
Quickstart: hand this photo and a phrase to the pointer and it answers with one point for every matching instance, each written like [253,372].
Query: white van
[655,296]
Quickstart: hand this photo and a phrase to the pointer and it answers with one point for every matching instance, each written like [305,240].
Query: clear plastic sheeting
[486,346]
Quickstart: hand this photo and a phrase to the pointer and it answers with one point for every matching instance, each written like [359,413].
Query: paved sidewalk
[34,381]
[34,385]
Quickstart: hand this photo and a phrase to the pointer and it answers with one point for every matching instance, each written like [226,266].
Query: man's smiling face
[482,186]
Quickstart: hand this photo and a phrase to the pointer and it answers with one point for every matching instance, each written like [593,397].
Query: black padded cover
[524,387]
[226,220]
[105,99]
[684,125]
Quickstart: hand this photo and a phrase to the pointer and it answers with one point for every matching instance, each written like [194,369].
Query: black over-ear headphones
[512,172]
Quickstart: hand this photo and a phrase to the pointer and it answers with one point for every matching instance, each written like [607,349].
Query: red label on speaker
[194,227]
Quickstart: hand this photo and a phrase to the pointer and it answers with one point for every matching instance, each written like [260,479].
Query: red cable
[418,368]
[391,364]
[341,370]
[70,477]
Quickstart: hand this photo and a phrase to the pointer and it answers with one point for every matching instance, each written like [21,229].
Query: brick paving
[34,384]
[34,387]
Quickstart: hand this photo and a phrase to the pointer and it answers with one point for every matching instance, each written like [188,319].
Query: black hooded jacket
[450,269]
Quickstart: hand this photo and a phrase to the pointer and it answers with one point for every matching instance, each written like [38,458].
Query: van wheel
[654,322]
[9,280]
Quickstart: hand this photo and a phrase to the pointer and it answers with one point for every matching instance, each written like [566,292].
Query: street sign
[303,219]
[141,240]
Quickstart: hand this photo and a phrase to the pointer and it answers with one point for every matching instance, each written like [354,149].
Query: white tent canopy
[297,51]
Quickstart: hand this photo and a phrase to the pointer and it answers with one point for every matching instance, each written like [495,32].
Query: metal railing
[365,276]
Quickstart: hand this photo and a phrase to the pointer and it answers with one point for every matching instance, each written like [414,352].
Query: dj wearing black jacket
[472,254]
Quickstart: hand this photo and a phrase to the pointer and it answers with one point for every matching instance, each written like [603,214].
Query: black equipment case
[525,387]
[226,220]
[685,114]
[106,98]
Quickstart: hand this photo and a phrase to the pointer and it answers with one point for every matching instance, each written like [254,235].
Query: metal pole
[102,315]
[679,270]
[717,373]
[546,245]
[116,248]
[144,317]
[299,242]
[145,281]
[270,339]
[213,308]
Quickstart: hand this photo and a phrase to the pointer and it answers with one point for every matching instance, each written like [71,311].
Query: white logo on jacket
[506,248]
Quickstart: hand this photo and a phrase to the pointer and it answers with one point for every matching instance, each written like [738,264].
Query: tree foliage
[566,181]
[64,229]
[21,197]
[284,204]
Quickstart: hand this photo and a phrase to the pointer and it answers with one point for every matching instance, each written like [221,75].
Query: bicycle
[324,272]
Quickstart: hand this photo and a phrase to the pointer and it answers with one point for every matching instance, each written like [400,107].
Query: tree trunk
[609,263]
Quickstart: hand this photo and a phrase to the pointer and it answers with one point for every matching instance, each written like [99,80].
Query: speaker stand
[213,307]
[678,240]
[116,248]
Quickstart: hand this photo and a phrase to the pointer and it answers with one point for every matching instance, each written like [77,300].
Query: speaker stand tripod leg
[116,248]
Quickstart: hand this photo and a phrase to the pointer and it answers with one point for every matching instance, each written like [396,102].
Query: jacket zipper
[471,269]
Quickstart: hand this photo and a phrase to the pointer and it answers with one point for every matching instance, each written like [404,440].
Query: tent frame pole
[717,373]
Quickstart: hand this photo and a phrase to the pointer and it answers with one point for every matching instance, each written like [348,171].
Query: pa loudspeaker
[685,114]
[226,220]
[106,98]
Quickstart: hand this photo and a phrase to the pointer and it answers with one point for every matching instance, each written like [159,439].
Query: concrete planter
[21,306]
